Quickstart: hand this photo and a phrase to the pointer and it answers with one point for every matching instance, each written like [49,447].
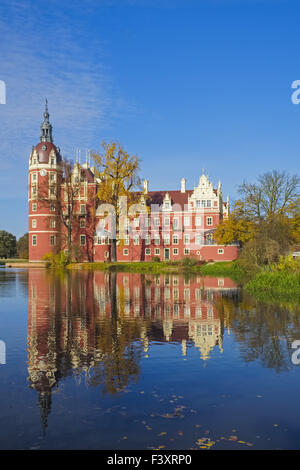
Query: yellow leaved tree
[236,228]
[118,172]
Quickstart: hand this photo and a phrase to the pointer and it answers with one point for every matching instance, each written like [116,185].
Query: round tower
[44,193]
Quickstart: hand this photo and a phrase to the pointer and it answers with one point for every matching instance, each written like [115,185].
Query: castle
[175,224]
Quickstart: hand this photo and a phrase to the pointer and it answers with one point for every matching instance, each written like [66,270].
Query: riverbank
[224,269]
[275,284]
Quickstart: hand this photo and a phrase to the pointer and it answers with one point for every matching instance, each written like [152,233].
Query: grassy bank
[281,280]
[275,284]
[13,260]
[226,269]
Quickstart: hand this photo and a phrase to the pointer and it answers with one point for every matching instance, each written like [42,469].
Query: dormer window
[52,161]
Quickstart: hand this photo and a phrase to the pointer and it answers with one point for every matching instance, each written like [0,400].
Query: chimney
[146,186]
[182,185]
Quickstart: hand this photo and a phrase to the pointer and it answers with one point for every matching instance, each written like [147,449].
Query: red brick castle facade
[174,224]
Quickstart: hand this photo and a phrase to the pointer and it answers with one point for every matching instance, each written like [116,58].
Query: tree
[8,245]
[271,195]
[236,228]
[64,198]
[118,175]
[23,246]
[273,238]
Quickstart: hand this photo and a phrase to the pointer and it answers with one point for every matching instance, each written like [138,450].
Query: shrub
[156,259]
[60,259]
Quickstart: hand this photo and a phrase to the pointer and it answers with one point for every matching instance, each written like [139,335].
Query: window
[209,220]
[156,240]
[175,223]
[186,251]
[167,239]
[208,203]
[167,205]
[147,239]
[34,177]
[186,221]
[125,251]
[175,239]
[220,282]
[82,208]
[52,208]
[198,203]
[126,241]
[52,177]
[82,240]
[203,203]
[167,221]
[220,251]
[136,222]
[34,207]
[175,251]
[98,240]
[157,251]
[156,222]
[33,223]
[209,239]
[52,161]
[82,223]
[186,239]
[176,310]
[33,191]
[198,221]
[198,240]
[198,294]
[34,240]
[136,240]
[147,251]
[52,223]
[52,240]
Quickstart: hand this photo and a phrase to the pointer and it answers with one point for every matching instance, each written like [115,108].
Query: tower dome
[46,145]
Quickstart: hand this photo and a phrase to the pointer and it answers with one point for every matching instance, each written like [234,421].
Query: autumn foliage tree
[118,172]
[236,228]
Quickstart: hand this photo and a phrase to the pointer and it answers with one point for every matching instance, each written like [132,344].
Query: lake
[94,360]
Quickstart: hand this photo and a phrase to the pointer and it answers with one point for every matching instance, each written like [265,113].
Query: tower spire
[46,128]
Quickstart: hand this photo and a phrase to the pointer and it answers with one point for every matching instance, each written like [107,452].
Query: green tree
[23,246]
[8,245]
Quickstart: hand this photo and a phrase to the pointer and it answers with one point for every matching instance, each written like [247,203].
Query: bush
[156,259]
[189,261]
[60,259]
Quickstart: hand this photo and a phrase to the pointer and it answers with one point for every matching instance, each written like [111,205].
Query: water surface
[130,361]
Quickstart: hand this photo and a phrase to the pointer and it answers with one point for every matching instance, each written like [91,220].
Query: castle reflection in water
[100,325]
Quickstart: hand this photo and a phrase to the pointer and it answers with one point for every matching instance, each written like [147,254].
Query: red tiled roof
[177,197]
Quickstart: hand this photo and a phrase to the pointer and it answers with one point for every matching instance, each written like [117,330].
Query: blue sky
[184,84]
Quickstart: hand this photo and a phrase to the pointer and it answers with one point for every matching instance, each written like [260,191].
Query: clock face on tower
[43,172]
